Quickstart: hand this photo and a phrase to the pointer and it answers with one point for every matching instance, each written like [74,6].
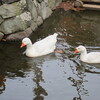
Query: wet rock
[7,11]
[1,35]
[45,11]
[19,35]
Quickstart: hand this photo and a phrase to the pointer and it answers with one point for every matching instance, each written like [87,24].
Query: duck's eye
[78,48]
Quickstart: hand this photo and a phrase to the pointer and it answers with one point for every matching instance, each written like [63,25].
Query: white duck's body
[40,48]
[92,57]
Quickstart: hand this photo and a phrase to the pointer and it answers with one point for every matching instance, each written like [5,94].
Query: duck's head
[80,49]
[25,41]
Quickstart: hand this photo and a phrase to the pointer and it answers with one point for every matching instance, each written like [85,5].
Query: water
[54,76]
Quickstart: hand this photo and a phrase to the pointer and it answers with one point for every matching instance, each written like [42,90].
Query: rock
[26,16]
[46,1]
[45,11]
[1,35]
[53,3]
[33,25]
[13,25]
[16,17]
[9,1]
[39,1]
[1,19]
[19,35]
[39,20]
[10,10]
[78,3]
[32,8]
[23,2]
[36,3]
[22,5]
[57,2]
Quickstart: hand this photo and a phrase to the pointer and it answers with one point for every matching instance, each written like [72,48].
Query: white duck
[92,57]
[40,48]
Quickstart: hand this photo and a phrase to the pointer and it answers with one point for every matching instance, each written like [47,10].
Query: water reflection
[39,91]
[79,71]
[36,64]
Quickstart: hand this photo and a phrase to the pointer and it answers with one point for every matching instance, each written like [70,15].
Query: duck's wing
[48,39]
[46,44]
[94,54]
[94,57]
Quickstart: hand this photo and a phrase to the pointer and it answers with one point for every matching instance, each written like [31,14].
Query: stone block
[1,35]
[10,10]
[45,11]
[13,25]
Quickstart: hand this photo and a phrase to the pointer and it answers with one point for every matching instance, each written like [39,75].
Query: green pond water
[54,76]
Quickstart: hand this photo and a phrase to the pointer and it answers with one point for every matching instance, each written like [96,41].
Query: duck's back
[46,45]
[49,39]
[93,57]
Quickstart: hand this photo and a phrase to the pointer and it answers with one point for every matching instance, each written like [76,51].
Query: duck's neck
[29,45]
[83,55]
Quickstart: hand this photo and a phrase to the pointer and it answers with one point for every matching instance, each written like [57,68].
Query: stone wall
[19,18]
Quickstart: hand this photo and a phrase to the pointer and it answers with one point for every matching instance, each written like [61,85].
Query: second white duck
[92,57]
[40,48]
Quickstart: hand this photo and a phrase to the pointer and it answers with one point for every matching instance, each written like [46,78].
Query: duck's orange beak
[76,51]
[22,45]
